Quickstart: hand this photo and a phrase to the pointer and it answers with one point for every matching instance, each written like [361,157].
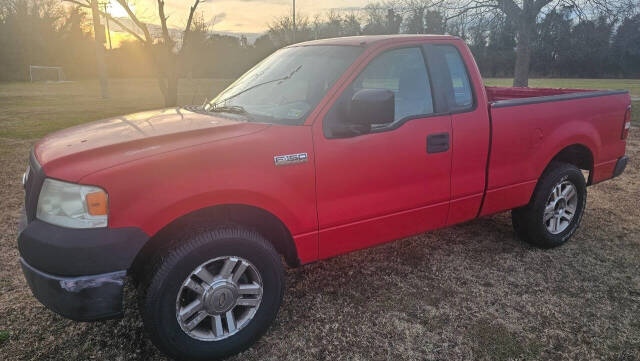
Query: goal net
[45,73]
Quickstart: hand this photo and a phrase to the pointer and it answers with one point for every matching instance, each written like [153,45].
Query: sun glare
[117,11]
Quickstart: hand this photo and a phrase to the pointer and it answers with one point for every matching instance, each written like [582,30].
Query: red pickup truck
[323,148]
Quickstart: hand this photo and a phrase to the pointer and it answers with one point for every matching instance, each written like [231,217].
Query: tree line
[569,39]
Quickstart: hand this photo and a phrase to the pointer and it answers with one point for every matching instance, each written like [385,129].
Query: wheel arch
[577,154]
[256,218]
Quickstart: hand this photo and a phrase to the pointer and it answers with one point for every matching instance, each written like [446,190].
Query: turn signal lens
[97,203]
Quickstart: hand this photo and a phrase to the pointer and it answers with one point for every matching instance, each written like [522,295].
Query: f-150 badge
[290,159]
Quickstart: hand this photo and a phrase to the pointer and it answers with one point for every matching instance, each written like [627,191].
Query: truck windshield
[287,85]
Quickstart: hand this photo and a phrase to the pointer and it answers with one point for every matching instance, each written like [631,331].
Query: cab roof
[367,40]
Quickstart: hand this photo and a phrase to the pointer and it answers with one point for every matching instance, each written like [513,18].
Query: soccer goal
[45,73]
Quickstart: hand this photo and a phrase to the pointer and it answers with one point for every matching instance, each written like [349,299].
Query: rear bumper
[621,164]
[84,298]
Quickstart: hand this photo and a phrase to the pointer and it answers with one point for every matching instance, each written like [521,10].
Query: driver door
[394,181]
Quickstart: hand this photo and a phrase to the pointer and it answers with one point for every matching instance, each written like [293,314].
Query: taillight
[627,123]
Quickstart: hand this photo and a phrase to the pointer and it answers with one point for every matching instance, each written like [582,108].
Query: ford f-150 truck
[323,148]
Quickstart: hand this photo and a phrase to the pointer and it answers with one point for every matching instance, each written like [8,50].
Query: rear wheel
[213,295]
[556,207]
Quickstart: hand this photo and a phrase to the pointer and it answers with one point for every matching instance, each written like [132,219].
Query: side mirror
[366,107]
[371,106]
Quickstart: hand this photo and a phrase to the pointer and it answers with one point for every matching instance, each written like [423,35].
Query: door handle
[437,143]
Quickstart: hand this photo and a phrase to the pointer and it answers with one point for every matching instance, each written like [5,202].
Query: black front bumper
[85,298]
[78,273]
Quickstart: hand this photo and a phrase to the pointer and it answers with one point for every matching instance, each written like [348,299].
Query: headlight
[72,205]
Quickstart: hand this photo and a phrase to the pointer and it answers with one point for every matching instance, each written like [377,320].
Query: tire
[534,226]
[166,290]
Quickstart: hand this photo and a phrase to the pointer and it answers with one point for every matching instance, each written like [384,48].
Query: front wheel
[213,295]
[556,207]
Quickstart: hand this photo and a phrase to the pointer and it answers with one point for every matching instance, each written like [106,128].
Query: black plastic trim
[84,298]
[402,121]
[621,164]
[32,187]
[555,98]
[78,252]
[437,143]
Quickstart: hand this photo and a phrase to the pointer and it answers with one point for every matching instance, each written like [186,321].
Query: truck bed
[531,125]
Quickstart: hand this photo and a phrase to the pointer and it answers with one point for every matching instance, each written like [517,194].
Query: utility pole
[106,19]
[102,70]
[294,22]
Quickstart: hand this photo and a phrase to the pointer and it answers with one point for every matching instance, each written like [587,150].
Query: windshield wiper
[214,106]
[233,109]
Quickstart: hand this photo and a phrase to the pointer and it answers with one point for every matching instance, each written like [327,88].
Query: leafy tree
[500,51]
[590,47]
[626,47]
[523,14]
[434,22]
[551,46]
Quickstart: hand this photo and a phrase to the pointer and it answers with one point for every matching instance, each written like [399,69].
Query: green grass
[4,336]
[497,343]
[32,110]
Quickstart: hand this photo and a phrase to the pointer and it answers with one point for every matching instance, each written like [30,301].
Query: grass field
[33,110]
[472,292]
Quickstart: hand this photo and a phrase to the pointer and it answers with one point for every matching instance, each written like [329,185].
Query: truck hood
[75,152]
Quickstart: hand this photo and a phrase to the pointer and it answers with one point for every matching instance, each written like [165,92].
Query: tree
[500,53]
[380,19]
[30,33]
[590,43]
[524,14]
[434,22]
[551,47]
[415,22]
[168,61]
[478,47]
[626,46]
[352,25]
[281,30]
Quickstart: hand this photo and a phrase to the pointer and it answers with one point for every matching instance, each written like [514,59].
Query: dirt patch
[473,291]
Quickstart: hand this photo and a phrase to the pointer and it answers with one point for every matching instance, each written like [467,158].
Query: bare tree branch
[511,8]
[187,28]
[163,23]
[111,18]
[137,21]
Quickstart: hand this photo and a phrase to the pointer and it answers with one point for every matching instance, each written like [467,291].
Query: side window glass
[462,95]
[403,72]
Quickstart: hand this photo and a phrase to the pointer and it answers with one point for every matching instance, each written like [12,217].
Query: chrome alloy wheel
[561,207]
[219,298]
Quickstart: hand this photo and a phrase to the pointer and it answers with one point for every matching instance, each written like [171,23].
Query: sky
[234,16]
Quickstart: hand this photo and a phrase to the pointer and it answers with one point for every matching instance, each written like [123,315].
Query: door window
[403,72]
[462,96]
